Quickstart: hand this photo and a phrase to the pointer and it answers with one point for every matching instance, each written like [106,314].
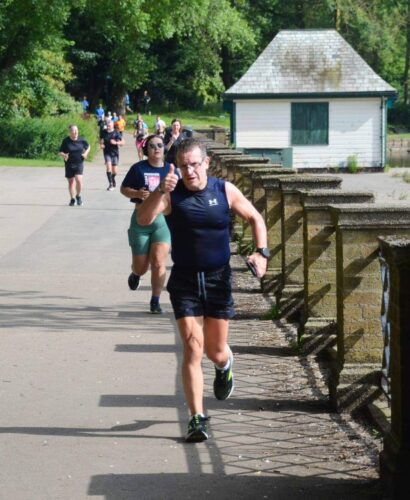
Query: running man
[110,139]
[149,244]
[197,209]
[74,150]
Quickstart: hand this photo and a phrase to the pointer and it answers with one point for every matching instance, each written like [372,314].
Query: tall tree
[28,24]
[376,29]
[142,42]
[33,70]
[196,65]
[267,17]
[184,52]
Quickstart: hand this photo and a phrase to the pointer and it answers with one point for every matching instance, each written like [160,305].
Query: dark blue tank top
[199,225]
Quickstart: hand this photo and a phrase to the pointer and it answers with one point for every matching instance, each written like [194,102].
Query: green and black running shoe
[197,429]
[223,382]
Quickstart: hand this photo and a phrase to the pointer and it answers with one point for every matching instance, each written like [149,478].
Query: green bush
[352,165]
[41,137]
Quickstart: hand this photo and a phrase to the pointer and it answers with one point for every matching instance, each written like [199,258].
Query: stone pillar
[217,134]
[267,201]
[243,180]
[214,151]
[213,146]
[395,457]
[258,195]
[289,296]
[224,160]
[249,172]
[318,326]
[241,176]
[356,364]
[273,209]
[216,156]
[233,162]
[206,140]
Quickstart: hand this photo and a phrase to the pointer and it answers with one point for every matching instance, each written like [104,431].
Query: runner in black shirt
[110,139]
[74,150]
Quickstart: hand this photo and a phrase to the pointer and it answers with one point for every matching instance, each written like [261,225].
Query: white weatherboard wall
[262,124]
[354,129]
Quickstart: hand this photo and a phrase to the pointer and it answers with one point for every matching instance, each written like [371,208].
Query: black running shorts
[73,170]
[112,158]
[207,293]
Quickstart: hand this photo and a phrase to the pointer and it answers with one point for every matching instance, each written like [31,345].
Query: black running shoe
[79,200]
[72,202]
[133,281]
[223,382]
[155,309]
[197,429]
[110,188]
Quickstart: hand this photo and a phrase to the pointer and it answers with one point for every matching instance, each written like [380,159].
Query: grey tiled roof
[309,61]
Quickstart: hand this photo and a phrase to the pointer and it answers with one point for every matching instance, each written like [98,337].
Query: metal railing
[386,328]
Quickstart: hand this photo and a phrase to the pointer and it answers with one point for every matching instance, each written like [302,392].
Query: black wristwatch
[264,252]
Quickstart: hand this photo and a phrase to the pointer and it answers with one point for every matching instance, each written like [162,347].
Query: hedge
[41,137]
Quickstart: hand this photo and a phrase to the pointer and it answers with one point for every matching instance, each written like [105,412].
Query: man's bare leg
[191,331]
[218,351]
[216,337]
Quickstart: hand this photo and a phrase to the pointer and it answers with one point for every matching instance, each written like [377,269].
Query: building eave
[312,95]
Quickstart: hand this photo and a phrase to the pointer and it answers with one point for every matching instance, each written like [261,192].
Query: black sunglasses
[159,145]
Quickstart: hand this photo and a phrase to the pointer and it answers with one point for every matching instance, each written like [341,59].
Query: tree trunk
[301,14]
[117,100]
[338,17]
[94,93]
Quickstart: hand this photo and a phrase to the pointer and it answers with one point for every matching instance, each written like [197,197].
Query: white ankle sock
[228,363]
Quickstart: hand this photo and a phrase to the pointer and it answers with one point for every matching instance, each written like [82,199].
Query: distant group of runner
[149,245]
[178,207]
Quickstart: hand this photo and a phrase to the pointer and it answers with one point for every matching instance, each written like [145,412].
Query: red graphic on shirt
[152,181]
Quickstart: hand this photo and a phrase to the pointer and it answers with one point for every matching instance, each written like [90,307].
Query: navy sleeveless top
[199,226]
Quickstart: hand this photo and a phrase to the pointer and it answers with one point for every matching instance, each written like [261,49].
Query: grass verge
[206,118]
[22,162]
[194,119]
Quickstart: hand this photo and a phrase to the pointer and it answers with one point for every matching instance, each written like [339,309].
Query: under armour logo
[213,202]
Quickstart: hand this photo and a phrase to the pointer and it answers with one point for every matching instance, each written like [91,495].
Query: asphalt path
[91,397]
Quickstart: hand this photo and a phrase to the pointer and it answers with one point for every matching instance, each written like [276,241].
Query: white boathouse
[311,102]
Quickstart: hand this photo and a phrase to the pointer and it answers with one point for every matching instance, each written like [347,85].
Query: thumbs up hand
[170,181]
[171,169]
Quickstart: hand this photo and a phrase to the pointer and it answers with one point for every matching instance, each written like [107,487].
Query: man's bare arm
[244,209]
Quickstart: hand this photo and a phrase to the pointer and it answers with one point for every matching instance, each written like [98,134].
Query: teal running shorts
[140,238]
